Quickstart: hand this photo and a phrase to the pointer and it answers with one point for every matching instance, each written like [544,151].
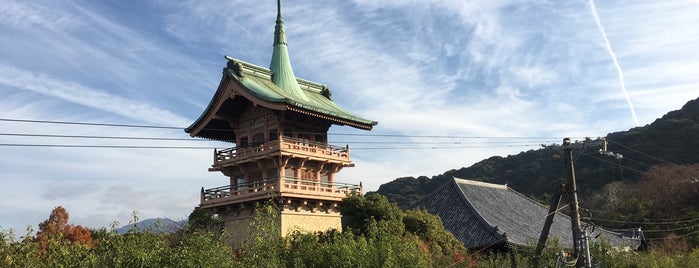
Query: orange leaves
[57,227]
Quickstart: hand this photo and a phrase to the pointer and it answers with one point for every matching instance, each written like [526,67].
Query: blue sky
[497,70]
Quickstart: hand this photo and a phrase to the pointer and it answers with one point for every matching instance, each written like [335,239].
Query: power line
[670,237]
[672,229]
[434,136]
[648,155]
[200,139]
[99,137]
[547,139]
[444,147]
[203,147]
[104,146]
[663,222]
[86,124]
[609,162]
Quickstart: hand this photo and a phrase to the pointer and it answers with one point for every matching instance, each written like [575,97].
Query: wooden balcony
[284,187]
[283,146]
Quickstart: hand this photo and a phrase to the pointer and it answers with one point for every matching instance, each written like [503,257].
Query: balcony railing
[272,187]
[284,144]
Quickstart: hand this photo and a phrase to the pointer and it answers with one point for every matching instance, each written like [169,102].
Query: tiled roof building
[485,215]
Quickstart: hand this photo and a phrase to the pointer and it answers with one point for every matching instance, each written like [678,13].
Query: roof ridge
[263,72]
[483,184]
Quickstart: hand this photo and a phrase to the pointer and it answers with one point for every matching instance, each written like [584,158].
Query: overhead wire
[442,144]
[663,222]
[335,134]
[671,237]
[645,154]
[104,146]
[672,229]
[609,162]
[86,123]
[200,139]
[204,147]
[99,137]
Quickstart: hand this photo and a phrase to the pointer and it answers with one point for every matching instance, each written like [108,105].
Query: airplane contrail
[616,63]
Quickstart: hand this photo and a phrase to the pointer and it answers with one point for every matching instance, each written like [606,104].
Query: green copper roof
[257,81]
[276,85]
[282,73]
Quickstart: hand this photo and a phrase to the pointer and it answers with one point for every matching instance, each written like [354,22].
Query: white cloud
[78,94]
[27,15]
[461,68]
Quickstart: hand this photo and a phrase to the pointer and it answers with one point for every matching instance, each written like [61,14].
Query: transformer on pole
[570,191]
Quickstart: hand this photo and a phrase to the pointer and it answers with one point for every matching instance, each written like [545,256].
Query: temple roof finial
[279,34]
[282,73]
[279,9]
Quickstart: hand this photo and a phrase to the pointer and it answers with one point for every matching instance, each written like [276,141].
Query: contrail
[616,63]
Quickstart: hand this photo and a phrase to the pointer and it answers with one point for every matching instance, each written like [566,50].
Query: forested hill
[672,139]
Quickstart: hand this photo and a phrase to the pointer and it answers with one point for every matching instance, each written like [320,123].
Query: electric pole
[580,243]
[574,206]
[570,190]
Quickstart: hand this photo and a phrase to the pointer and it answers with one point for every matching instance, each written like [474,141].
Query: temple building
[279,125]
[493,216]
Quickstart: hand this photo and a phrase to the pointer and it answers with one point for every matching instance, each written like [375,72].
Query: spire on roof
[282,74]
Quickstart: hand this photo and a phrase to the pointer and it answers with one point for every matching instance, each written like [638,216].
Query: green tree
[429,228]
[359,211]
[201,219]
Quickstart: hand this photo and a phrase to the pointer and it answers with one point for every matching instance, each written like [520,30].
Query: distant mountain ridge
[674,138]
[155,225]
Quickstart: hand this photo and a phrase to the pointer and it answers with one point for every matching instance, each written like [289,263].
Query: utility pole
[553,209]
[580,243]
[574,206]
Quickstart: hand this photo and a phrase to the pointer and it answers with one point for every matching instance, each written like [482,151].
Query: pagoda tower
[279,125]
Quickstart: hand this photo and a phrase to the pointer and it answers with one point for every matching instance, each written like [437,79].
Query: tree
[671,193]
[358,212]
[57,227]
[671,189]
[429,228]
[201,219]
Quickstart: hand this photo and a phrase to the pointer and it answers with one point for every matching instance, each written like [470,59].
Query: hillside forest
[654,185]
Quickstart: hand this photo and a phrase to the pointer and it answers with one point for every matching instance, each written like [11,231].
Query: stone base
[291,215]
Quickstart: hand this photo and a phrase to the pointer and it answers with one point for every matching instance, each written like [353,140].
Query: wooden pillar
[331,177]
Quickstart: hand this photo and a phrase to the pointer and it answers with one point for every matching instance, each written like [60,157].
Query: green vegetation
[382,236]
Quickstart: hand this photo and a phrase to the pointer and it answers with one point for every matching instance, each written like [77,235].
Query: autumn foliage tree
[673,190]
[670,195]
[57,227]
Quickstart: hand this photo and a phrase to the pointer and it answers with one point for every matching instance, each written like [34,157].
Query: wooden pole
[574,206]
[555,201]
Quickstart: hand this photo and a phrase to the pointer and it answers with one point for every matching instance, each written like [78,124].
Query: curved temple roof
[317,98]
[482,215]
[275,88]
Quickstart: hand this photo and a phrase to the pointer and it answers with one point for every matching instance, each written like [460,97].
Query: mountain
[674,138]
[157,225]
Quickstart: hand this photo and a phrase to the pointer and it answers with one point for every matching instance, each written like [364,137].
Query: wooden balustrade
[281,186]
[284,144]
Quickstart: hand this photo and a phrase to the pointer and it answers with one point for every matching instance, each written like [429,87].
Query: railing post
[201,196]
[215,157]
